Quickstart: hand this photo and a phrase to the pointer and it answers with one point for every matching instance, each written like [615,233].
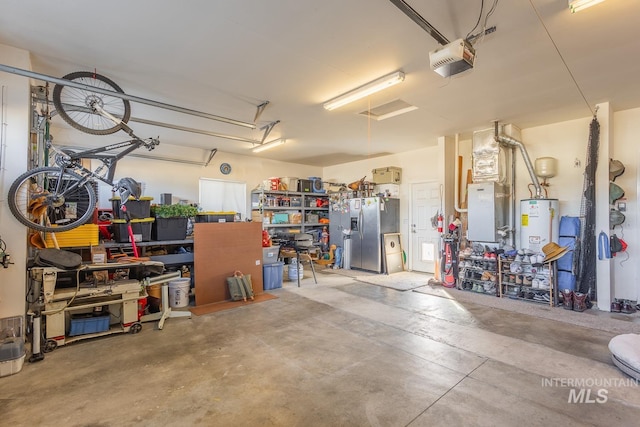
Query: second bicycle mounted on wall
[62,197]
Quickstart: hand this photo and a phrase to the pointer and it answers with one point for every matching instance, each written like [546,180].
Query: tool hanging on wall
[5,258]
[604,250]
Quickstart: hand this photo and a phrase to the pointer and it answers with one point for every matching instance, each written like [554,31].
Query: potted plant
[171,221]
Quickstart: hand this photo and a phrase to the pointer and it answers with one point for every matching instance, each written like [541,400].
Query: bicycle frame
[72,160]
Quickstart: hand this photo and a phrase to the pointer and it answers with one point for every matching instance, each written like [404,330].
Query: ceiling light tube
[578,5]
[365,90]
[268,145]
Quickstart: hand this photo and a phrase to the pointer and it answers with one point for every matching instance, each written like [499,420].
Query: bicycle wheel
[50,199]
[75,106]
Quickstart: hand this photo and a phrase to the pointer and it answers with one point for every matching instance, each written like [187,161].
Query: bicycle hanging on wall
[61,197]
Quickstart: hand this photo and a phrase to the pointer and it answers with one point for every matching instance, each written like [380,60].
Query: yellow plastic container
[85,235]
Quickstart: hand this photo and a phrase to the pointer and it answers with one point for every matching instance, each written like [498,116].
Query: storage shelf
[113,329]
[258,197]
[491,294]
[547,271]
[174,259]
[111,245]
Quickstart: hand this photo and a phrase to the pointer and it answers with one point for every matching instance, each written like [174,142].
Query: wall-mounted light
[268,145]
[578,5]
[364,90]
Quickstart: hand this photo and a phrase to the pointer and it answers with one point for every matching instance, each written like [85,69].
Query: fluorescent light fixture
[268,145]
[578,5]
[365,90]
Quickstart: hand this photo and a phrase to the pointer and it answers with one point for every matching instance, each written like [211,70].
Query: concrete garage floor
[339,353]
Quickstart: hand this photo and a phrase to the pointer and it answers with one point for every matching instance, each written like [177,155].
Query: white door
[425,203]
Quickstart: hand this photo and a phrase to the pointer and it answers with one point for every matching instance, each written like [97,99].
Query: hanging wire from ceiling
[478,21]
[479,36]
[562,58]
[486,18]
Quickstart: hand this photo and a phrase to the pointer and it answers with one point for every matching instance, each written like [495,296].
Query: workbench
[75,304]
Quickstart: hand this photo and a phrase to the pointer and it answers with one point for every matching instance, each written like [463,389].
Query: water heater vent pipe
[512,142]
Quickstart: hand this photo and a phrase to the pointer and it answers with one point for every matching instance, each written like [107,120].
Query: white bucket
[179,292]
[295,271]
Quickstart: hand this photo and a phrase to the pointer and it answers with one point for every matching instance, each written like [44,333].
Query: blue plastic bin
[272,275]
[88,324]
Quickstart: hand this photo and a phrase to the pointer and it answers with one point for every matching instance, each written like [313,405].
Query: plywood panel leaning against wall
[220,249]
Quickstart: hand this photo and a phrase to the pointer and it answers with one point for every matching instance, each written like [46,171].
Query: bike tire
[34,190]
[73,104]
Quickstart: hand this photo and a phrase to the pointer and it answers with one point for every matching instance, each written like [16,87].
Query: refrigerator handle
[360,223]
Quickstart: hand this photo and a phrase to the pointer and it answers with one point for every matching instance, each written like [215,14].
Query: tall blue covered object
[568,264]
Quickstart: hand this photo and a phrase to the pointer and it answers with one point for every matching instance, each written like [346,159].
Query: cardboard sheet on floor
[220,249]
[227,305]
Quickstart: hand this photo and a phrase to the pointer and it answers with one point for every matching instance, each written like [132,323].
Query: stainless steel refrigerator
[370,218]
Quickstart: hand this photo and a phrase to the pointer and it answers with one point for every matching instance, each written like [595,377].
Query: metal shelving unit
[291,202]
[528,282]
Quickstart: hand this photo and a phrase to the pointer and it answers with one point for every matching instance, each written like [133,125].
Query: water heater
[539,223]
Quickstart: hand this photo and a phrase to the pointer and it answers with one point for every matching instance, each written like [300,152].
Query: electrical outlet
[622,206]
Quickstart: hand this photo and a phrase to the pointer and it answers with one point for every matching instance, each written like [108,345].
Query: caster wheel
[135,328]
[49,346]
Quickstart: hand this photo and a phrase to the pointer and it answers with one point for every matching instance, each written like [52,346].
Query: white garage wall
[13,155]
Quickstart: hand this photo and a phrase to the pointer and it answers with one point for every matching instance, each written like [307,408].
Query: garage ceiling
[542,65]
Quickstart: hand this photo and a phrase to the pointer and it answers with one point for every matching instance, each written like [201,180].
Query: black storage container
[215,217]
[305,186]
[141,228]
[169,229]
[137,208]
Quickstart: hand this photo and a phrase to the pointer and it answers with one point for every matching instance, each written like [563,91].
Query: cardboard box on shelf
[98,254]
[256,216]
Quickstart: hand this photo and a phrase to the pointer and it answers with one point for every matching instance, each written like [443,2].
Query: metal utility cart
[82,311]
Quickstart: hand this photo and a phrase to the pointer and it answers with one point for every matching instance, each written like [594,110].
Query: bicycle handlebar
[151,143]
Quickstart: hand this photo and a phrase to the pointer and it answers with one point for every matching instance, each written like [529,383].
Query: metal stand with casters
[166,309]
